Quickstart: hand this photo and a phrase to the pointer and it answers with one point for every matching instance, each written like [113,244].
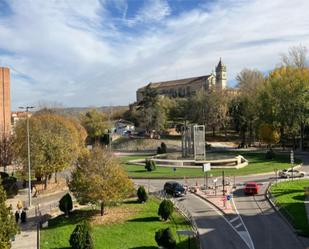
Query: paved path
[27,239]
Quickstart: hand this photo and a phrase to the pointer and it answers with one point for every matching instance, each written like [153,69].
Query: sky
[81,53]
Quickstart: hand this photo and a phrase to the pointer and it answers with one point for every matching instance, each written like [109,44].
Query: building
[189,86]
[5,101]
[123,127]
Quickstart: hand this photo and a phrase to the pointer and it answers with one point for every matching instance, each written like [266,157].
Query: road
[266,228]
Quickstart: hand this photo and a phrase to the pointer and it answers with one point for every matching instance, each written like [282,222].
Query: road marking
[236,218]
[244,238]
[240,224]
[244,234]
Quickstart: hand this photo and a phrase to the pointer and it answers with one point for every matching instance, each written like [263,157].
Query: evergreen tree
[7,222]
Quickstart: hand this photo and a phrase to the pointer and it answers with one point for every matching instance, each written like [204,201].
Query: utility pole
[28,148]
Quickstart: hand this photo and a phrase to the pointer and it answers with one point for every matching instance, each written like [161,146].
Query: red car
[251,188]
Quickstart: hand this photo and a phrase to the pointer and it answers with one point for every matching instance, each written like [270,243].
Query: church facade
[189,86]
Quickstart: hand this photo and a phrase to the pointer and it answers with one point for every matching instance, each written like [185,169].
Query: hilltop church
[189,86]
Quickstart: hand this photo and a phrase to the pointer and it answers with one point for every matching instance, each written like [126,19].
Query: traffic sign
[206,167]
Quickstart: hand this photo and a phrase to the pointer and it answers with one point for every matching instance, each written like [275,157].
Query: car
[291,173]
[251,188]
[174,188]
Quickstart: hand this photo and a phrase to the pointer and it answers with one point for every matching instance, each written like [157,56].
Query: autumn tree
[96,124]
[55,143]
[7,222]
[269,134]
[284,100]
[99,179]
[243,108]
[6,151]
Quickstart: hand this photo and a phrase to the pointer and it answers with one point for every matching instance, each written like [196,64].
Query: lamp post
[28,147]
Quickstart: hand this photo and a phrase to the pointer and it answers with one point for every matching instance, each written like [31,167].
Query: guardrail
[183,210]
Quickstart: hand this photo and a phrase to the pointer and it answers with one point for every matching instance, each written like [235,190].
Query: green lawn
[290,196]
[136,232]
[257,164]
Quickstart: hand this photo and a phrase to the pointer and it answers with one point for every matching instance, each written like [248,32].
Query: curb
[214,205]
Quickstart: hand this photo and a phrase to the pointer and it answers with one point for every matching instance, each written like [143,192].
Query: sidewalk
[42,205]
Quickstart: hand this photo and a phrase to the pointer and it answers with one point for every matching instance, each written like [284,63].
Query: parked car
[174,188]
[289,173]
[251,188]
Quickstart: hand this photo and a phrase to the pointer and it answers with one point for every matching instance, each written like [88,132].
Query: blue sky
[98,52]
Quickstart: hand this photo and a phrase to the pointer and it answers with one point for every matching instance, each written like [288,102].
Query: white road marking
[244,238]
[240,224]
[236,218]
[247,237]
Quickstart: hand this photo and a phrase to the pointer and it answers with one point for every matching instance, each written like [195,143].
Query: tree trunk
[102,208]
[301,144]
[56,177]
[45,182]
[213,131]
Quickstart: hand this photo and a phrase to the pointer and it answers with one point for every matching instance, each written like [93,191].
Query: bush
[150,165]
[141,194]
[81,237]
[66,204]
[270,154]
[159,150]
[166,209]
[10,186]
[165,238]
[163,148]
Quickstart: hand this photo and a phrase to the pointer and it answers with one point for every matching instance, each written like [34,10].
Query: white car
[289,173]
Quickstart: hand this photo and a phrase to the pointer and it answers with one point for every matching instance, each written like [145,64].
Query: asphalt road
[266,227]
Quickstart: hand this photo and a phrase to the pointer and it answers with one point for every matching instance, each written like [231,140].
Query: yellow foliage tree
[99,178]
[269,134]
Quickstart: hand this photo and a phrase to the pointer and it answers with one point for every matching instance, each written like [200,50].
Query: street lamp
[28,146]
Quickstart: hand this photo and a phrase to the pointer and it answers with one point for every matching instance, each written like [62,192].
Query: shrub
[150,165]
[81,237]
[66,204]
[163,148]
[141,194]
[159,150]
[10,186]
[270,154]
[165,238]
[166,209]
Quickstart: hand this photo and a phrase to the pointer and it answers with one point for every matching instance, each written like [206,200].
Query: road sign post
[292,163]
[206,168]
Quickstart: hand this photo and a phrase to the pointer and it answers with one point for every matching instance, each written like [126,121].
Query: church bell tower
[221,77]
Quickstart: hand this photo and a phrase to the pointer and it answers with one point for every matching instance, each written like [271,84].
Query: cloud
[81,53]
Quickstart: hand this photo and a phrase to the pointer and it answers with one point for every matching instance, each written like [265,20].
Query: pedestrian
[16,217]
[23,216]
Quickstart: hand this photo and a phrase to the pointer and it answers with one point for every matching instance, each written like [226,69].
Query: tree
[150,165]
[55,143]
[6,151]
[66,204]
[166,209]
[152,110]
[165,238]
[81,237]
[7,222]
[96,124]
[99,178]
[284,101]
[296,57]
[141,194]
[243,108]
